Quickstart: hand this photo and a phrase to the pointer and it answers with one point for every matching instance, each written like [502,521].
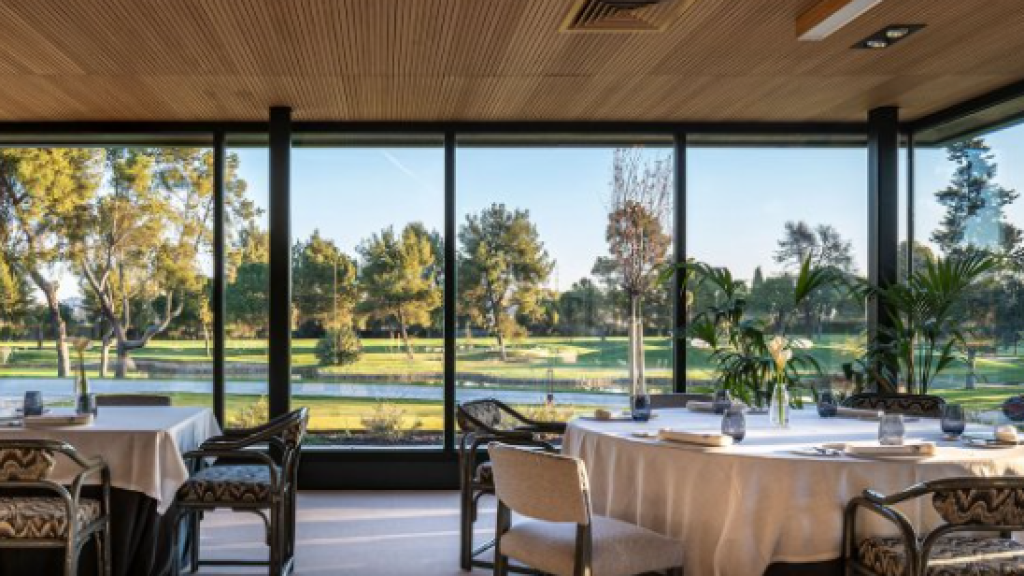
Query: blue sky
[739,198]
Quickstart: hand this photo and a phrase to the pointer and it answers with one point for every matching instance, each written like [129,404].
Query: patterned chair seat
[244,483]
[41,517]
[952,555]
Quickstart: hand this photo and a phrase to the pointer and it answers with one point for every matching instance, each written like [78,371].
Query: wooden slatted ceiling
[482,60]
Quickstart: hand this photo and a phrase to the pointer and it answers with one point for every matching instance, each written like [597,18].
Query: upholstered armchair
[256,471]
[560,535]
[482,422]
[59,517]
[907,404]
[978,516]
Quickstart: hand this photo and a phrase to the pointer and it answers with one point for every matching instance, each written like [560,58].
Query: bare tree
[640,204]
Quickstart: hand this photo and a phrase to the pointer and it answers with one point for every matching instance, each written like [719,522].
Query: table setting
[742,492]
[143,446]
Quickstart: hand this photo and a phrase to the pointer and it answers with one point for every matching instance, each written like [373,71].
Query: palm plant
[925,336]
[740,345]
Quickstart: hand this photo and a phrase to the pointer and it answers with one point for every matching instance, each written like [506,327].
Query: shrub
[339,348]
[384,423]
[252,415]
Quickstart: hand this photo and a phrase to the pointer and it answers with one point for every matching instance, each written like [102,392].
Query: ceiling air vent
[622,15]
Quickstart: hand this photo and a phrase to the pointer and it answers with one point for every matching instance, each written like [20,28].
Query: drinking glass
[891,430]
[827,405]
[33,403]
[953,420]
[722,401]
[734,423]
[640,407]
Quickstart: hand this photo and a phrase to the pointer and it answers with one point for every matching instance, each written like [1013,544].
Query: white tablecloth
[142,446]
[738,509]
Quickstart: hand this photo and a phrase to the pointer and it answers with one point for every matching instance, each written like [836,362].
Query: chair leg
[194,525]
[466,517]
[275,539]
[108,555]
[175,527]
[500,565]
[71,559]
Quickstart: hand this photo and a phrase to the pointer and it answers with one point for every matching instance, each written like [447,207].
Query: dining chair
[482,422]
[61,518]
[561,535]
[256,471]
[974,539]
[132,400]
[679,400]
[908,404]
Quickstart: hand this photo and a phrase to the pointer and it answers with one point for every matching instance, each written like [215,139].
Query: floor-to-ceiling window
[760,212]
[967,199]
[247,282]
[105,267]
[368,290]
[559,252]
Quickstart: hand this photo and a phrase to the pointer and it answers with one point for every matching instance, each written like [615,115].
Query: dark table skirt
[140,543]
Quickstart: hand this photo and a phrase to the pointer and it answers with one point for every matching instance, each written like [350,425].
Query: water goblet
[33,405]
[953,421]
[827,405]
[734,423]
[891,430]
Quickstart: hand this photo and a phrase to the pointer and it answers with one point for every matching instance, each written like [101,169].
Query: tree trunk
[39,336]
[124,362]
[105,355]
[405,336]
[61,341]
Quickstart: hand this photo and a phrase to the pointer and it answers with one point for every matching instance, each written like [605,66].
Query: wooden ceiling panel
[478,60]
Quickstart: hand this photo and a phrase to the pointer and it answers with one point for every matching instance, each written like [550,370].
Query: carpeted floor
[355,533]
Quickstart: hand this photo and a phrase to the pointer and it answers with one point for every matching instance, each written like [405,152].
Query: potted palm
[924,336]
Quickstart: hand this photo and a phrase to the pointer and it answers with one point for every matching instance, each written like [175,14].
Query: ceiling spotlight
[896,33]
[888,36]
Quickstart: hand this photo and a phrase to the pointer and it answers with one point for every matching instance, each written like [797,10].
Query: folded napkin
[856,412]
[698,406]
[908,449]
[57,420]
[702,438]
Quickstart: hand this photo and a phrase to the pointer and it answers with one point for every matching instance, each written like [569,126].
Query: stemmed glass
[33,405]
[953,421]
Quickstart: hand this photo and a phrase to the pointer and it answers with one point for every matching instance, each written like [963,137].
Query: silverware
[826,451]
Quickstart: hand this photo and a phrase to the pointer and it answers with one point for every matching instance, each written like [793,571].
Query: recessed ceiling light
[888,36]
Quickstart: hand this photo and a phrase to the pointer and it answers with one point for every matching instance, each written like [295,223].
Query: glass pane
[558,249]
[105,265]
[760,212]
[368,296]
[967,200]
[247,286]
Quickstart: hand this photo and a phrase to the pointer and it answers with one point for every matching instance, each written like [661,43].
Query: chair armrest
[545,427]
[911,543]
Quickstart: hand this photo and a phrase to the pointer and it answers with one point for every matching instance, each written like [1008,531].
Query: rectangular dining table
[143,447]
[766,501]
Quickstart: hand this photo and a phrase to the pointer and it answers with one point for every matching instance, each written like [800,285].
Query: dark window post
[910,207]
[883,209]
[217,298]
[280,260]
[679,257]
[450,311]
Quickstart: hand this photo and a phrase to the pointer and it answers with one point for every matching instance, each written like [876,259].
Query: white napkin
[702,438]
[699,406]
[908,449]
[856,413]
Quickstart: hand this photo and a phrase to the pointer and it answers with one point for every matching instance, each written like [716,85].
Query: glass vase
[639,399]
[779,408]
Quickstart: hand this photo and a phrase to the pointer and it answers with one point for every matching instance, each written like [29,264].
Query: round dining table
[768,499]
